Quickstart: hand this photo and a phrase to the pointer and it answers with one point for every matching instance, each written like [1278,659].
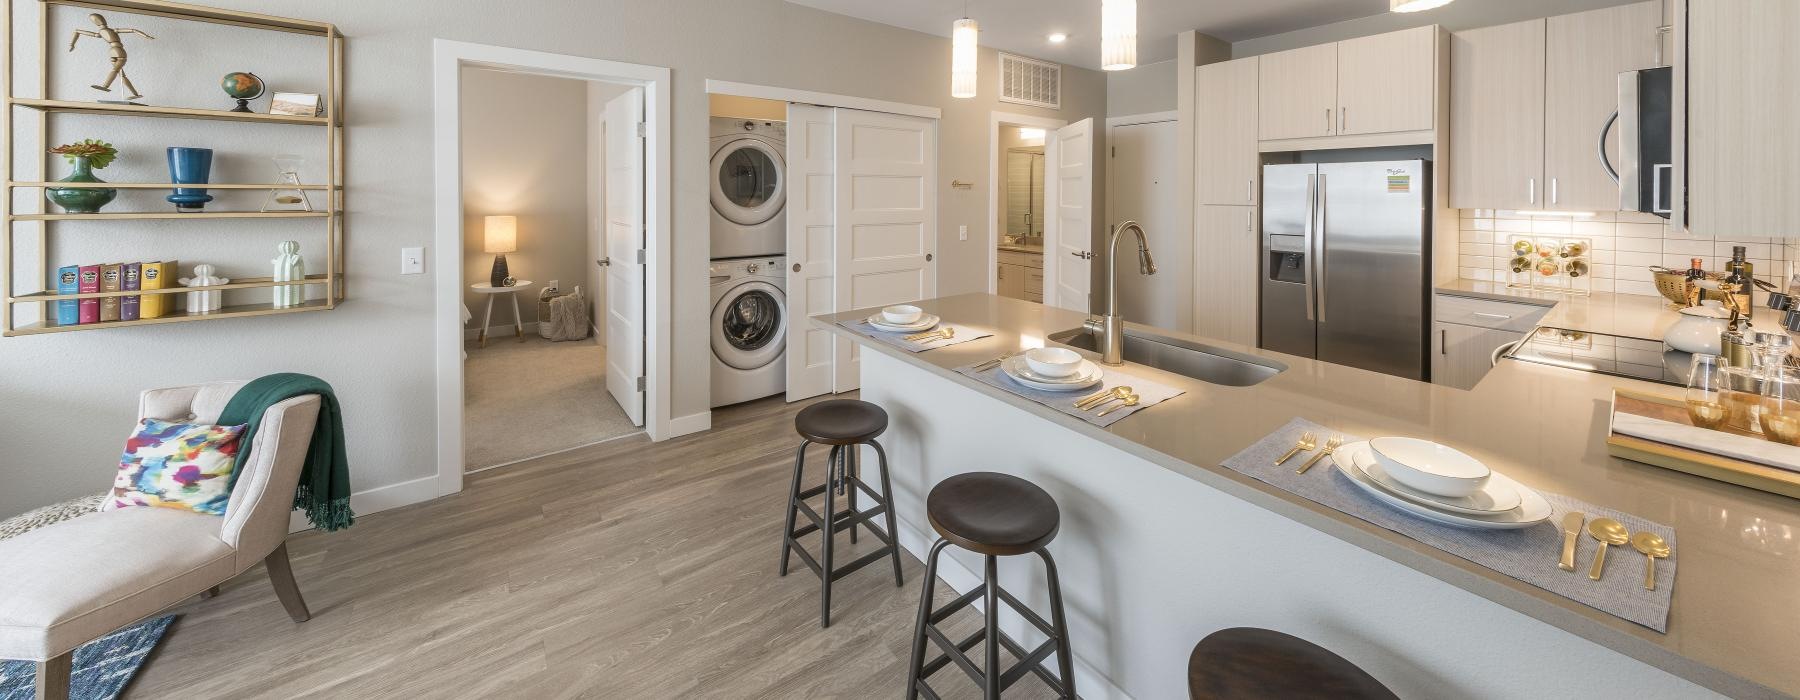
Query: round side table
[488,316]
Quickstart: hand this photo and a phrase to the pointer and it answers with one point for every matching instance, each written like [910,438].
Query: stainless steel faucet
[1111,326]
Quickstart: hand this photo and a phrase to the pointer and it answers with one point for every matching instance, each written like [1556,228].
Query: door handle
[604,262]
[1250,190]
[1084,255]
[1328,120]
[1319,241]
[1341,118]
[927,257]
[1553,197]
[1531,190]
[796,267]
[1307,274]
[1443,342]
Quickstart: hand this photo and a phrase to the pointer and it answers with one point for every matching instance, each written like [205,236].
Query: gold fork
[1306,442]
[931,336]
[1330,447]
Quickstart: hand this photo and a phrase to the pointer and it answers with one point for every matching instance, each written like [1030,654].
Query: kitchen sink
[1184,357]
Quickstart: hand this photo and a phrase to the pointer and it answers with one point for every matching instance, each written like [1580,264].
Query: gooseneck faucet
[1111,326]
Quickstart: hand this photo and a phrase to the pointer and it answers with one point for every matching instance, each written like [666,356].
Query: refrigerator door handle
[1319,237]
[1307,243]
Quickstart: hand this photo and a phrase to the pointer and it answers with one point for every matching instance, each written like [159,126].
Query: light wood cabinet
[1011,281]
[1497,116]
[1386,82]
[1020,275]
[1743,149]
[1297,93]
[1461,355]
[1226,132]
[1584,54]
[1225,269]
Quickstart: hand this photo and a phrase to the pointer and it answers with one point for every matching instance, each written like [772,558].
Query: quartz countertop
[1022,248]
[1606,313]
[1735,619]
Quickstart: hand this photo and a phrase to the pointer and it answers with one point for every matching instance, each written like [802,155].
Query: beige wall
[1141,90]
[531,163]
[69,398]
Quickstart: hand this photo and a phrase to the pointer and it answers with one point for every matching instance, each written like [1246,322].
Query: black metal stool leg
[852,468]
[826,532]
[787,531]
[887,494]
[1065,659]
[990,670]
[914,669]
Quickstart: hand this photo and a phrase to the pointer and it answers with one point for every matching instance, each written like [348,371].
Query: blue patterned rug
[103,667]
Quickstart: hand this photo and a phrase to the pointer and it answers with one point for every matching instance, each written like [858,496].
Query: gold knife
[1571,527]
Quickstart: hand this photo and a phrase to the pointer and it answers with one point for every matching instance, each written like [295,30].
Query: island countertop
[1734,624]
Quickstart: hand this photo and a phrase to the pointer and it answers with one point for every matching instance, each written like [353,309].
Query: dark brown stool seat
[996,514]
[1248,662]
[841,422]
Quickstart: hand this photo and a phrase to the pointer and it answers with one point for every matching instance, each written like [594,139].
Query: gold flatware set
[990,364]
[1307,443]
[944,333]
[1331,446]
[1124,395]
[1610,533]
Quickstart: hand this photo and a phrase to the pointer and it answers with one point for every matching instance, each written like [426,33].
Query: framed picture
[297,103]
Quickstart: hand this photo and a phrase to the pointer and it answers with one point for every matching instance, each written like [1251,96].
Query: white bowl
[902,314]
[1053,362]
[1430,467]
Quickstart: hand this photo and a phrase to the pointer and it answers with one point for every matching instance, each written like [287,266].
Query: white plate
[1494,497]
[1533,509]
[1088,375]
[925,323]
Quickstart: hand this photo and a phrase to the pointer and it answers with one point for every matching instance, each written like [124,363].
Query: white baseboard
[690,424]
[378,499]
[505,330]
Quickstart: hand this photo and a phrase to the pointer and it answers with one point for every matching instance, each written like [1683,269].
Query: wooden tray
[1681,458]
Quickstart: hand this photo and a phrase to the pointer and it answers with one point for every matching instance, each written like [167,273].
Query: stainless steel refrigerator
[1344,264]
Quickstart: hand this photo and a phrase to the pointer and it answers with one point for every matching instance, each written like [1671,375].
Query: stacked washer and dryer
[749,241]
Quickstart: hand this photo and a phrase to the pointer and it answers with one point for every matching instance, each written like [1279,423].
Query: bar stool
[1248,662]
[995,515]
[843,424]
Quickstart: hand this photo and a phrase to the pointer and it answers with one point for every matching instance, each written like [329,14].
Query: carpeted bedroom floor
[531,398]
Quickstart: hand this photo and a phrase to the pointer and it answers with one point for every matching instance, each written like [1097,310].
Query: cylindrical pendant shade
[502,234]
[963,57]
[1415,5]
[1118,34]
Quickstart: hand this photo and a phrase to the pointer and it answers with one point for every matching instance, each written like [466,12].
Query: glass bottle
[1695,275]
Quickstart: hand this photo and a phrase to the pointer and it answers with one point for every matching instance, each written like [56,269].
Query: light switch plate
[962,233]
[412,261]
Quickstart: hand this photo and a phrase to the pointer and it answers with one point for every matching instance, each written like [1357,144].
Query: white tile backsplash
[1625,245]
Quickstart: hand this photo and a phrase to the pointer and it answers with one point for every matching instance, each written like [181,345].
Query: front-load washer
[749,188]
[749,329]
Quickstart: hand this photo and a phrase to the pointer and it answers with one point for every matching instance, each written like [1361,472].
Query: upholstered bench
[80,579]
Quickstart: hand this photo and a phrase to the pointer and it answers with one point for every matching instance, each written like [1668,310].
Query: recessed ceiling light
[1057,38]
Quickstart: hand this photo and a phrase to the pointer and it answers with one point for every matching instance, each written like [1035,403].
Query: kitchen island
[1161,546]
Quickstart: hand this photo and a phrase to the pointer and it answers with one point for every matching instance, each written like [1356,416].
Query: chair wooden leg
[53,677]
[210,593]
[281,574]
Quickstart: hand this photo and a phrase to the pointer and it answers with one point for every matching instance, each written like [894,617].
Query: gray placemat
[961,334]
[1529,554]
[1149,393]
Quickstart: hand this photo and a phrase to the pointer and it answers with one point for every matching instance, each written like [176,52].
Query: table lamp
[502,238]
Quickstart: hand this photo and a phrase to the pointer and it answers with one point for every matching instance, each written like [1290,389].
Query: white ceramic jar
[1699,328]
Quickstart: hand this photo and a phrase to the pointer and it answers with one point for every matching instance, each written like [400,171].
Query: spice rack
[41,222]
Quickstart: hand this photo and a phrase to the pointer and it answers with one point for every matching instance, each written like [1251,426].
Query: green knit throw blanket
[324,490]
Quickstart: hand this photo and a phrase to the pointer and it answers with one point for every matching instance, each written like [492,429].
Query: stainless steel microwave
[1646,141]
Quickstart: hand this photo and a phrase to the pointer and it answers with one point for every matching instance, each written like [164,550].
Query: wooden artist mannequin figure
[115,50]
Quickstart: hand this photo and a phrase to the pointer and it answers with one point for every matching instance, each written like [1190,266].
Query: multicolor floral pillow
[177,465]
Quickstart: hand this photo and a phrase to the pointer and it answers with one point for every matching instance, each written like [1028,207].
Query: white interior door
[1141,188]
[811,240]
[596,213]
[624,245]
[886,232]
[1069,228]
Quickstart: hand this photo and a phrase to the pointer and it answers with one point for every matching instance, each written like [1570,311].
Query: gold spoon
[926,337]
[1608,532]
[1096,399]
[1129,401]
[1654,547]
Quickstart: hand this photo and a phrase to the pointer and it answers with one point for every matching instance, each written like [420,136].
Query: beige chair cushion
[78,580]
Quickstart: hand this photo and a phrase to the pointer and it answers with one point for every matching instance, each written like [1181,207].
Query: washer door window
[747,186]
[750,325]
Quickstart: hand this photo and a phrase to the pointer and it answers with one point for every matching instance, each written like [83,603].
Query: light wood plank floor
[623,570]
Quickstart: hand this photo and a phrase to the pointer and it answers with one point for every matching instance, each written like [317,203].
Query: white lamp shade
[1415,5]
[1118,34]
[502,234]
[963,57]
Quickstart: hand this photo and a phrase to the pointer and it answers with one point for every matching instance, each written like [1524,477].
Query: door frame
[447,61]
[997,119]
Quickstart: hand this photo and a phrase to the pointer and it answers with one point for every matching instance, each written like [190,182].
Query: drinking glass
[1706,389]
[1781,405]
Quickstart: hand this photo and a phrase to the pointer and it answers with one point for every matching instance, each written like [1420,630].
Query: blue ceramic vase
[189,166]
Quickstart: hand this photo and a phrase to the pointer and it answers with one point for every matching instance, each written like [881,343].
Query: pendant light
[1415,5]
[963,55]
[1118,34]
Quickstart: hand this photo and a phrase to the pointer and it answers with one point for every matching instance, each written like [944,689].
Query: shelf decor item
[189,166]
[85,157]
[115,51]
[502,237]
[204,302]
[289,267]
[302,104]
[1549,265]
[242,87]
[287,168]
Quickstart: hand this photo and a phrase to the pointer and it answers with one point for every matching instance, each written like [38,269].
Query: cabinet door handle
[1443,342]
[1341,118]
[1497,317]
[1327,120]
[1250,190]
[1553,196]
[1531,190]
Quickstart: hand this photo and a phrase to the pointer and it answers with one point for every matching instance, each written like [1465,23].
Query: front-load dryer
[749,188]
[749,329]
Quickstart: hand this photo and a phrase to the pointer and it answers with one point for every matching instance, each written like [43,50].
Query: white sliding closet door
[811,242]
[1069,216]
[886,232]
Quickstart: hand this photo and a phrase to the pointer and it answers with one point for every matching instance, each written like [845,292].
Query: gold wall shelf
[163,186]
[126,215]
[233,311]
[71,107]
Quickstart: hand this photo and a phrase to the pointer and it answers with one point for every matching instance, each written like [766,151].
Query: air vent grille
[1028,81]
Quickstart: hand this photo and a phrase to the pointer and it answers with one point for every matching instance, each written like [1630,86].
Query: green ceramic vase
[81,200]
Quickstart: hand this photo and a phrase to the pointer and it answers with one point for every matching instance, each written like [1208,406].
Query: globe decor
[86,157]
[243,87]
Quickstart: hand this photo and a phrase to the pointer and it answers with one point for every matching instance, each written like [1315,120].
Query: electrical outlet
[962,233]
[412,261]
[554,284]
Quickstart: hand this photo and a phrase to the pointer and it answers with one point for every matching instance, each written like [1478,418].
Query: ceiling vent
[1028,81]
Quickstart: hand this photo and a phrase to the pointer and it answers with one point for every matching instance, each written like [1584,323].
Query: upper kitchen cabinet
[1497,116]
[1386,82]
[1226,132]
[1297,93]
[1741,71]
[1584,55]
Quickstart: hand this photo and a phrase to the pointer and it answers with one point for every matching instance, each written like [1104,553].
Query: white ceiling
[1020,26]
